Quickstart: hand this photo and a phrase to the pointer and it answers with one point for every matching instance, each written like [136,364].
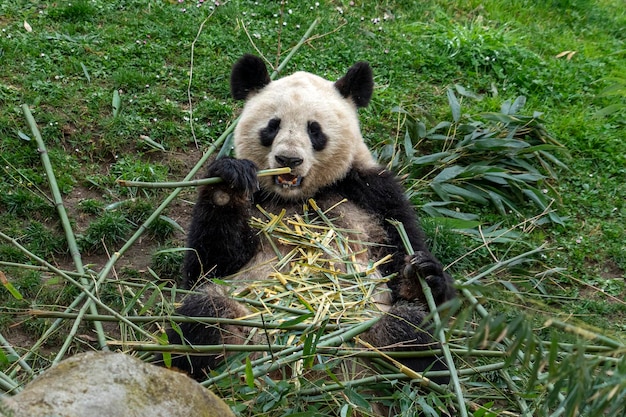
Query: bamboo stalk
[587,334]
[482,311]
[437,320]
[69,233]
[20,361]
[38,268]
[322,350]
[8,385]
[396,376]
[181,319]
[504,263]
[196,183]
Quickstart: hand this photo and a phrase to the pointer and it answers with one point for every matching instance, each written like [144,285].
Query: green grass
[565,56]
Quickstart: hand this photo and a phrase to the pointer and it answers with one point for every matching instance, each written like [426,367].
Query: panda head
[303,122]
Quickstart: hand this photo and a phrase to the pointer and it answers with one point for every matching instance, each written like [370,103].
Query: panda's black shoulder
[374,189]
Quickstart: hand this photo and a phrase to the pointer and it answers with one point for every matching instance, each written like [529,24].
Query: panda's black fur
[311,125]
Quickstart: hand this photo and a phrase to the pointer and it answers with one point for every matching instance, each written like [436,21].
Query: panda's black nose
[288,161]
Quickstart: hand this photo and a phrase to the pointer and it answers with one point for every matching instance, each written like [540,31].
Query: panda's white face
[302,122]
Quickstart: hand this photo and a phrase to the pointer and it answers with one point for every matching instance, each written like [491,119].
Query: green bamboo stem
[67,228]
[39,268]
[182,319]
[322,350]
[20,361]
[504,263]
[587,334]
[196,183]
[8,385]
[397,376]
[482,311]
[84,289]
[440,331]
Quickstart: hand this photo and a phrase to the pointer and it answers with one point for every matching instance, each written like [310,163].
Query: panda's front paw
[424,265]
[237,174]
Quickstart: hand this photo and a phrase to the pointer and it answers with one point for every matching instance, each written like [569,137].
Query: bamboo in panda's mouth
[287,180]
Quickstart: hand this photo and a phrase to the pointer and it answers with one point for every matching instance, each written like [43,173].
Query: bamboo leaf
[297,320]
[497,202]
[429,159]
[23,135]
[12,290]
[438,189]
[448,173]
[85,72]
[457,224]
[356,399]
[129,306]
[554,159]
[434,210]
[497,178]
[172,223]
[500,144]
[500,117]
[517,105]
[420,127]
[472,194]
[440,126]
[467,93]
[4,360]
[455,106]
[150,302]
[610,109]
[308,350]
[249,373]
[167,356]
[116,103]
[408,145]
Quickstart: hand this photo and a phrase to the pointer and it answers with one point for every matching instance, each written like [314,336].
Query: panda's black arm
[220,239]
[379,192]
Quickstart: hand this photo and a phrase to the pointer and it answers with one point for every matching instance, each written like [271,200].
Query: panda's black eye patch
[269,132]
[317,136]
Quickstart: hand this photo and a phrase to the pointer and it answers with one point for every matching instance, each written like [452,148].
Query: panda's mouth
[287,180]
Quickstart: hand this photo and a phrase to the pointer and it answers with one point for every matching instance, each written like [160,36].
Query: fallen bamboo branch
[196,183]
[69,236]
[441,337]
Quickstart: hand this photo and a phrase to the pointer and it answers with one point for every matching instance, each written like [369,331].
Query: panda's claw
[424,265]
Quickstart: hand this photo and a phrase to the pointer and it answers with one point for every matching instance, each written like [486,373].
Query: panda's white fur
[296,100]
[311,125]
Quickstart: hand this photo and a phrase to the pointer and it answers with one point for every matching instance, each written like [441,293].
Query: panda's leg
[211,302]
[404,328]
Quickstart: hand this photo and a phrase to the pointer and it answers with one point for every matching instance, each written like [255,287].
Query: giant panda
[310,125]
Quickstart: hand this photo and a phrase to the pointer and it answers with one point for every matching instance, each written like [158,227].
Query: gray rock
[99,384]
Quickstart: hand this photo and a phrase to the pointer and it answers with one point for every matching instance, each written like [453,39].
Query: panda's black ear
[357,84]
[249,74]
